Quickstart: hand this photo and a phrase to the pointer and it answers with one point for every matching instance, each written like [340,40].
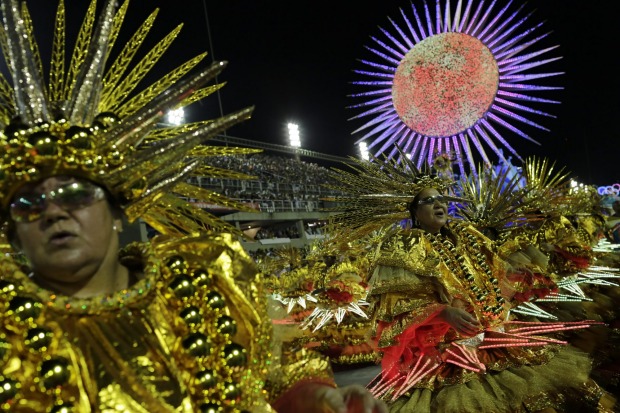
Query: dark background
[293,60]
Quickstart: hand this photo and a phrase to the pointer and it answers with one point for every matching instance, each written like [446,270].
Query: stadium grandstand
[287,192]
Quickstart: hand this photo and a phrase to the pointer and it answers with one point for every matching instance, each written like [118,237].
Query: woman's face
[69,240]
[431,211]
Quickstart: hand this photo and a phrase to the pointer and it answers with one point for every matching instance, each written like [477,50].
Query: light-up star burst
[446,84]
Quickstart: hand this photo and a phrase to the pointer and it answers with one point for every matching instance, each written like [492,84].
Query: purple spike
[513,115]
[431,151]
[490,38]
[404,49]
[429,21]
[418,139]
[490,142]
[438,16]
[507,32]
[478,145]
[522,107]
[525,78]
[494,21]
[385,68]
[374,101]
[519,86]
[371,93]
[523,58]
[459,156]
[515,40]
[395,52]
[483,19]
[516,69]
[447,17]
[383,55]
[382,108]
[465,16]
[419,21]
[512,128]
[371,83]
[423,152]
[520,96]
[403,36]
[474,18]
[500,138]
[410,26]
[467,149]
[377,74]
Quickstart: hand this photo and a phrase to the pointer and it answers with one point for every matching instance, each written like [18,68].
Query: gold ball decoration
[177,265]
[25,308]
[115,157]
[80,138]
[54,372]
[38,339]
[206,379]
[211,408]
[198,345]
[14,133]
[183,286]
[8,389]
[235,355]
[106,120]
[226,325]
[232,391]
[62,408]
[44,144]
[215,300]
[191,315]
[8,287]
[202,278]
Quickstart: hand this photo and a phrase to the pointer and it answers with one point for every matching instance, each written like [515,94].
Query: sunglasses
[28,207]
[430,200]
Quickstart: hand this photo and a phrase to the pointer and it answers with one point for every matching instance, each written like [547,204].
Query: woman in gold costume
[441,304]
[177,324]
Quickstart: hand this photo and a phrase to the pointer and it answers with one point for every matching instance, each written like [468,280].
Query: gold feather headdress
[377,194]
[90,122]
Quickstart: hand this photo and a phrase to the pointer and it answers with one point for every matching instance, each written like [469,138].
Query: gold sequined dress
[417,275]
[190,335]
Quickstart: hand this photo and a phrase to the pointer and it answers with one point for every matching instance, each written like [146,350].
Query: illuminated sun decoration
[445,83]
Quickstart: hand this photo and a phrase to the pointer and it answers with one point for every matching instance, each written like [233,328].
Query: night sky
[293,60]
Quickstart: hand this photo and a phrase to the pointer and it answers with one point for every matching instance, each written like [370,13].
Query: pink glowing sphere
[445,84]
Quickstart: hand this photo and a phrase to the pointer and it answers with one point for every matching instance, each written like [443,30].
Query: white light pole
[294,139]
[364,151]
[175,117]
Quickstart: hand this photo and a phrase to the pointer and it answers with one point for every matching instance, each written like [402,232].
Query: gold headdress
[89,121]
[378,193]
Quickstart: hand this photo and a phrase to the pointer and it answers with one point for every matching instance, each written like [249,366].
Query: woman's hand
[320,398]
[460,320]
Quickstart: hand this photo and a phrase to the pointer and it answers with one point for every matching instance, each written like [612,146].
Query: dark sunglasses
[28,207]
[430,200]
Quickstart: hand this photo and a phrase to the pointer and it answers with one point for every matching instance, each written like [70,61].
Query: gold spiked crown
[89,121]
[377,193]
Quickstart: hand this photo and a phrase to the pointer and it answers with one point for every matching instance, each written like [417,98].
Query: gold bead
[182,286]
[191,315]
[54,372]
[38,339]
[235,355]
[177,265]
[206,379]
[226,325]
[215,300]
[8,389]
[25,308]
[202,278]
[5,347]
[44,143]
[197,345]
[8,288]
[232,391]
[80,138]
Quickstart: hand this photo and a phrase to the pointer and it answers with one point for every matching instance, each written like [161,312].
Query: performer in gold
[174,325]
[441,305]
